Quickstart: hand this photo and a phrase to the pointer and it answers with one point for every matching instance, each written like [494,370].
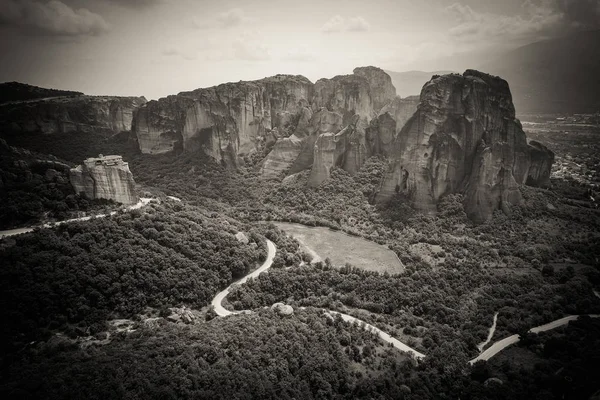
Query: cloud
[299,54]
[233,17]
[53,18]
[250,47]
[337,23]
[135,3]
[357,24]
[178,52]
[581,13]
[224,20]
[540,19]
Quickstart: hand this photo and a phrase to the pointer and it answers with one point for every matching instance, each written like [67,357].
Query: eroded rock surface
[70,114]
[463,137]
[105,177]
[541,164]
[382,89]
[224,121]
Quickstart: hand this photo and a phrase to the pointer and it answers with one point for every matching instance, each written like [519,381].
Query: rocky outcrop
[282,309]
[322,121]
[105,177]
[345,149]
[541,165]
[281,157]
[384,129]
[158,125]
[70,114]
[380,83]
[328,152]
[463,137]
[346,95]
[225,121]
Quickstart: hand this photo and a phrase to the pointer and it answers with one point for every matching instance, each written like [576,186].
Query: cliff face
[384,129]
[342,105]
[463,137]
[70,114]
[104,178]
[541,165]
[224,121]
[380,83]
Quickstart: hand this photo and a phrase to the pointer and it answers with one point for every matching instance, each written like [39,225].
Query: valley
[408,261]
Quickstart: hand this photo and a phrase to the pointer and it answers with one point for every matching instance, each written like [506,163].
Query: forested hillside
[82,274]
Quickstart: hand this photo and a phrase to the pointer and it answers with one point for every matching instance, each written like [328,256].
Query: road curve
[504,343]
[216,302]
[222,312]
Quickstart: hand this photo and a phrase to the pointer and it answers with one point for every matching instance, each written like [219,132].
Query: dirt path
[481,345]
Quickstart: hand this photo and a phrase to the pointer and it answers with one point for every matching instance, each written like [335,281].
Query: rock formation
[105,177]
[235,119]
[347,102]
[345,149]
[541,165]
[380,83]
[70,114]
[463,137]
[384,129]
[224,121]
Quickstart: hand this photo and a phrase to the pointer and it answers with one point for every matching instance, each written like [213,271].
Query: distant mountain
[410,83]
[553,76]
[15,91]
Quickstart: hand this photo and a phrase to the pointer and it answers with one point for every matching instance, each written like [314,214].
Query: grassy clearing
[341,248]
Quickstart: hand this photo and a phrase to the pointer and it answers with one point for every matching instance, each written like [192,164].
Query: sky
[159,47]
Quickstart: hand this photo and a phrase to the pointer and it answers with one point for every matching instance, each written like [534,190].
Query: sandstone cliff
[104,178]
[380,83]
[70,114]
[224,121]
[346,102]
[463,137]
[384,129]
[541,165]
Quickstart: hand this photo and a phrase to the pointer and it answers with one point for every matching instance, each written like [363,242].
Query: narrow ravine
[481,345]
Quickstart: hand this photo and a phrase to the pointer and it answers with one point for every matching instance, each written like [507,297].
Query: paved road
[384,336]
[216,303]
[18,231]
[222,312]
[504,343]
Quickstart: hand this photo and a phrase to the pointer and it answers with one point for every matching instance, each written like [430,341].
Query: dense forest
[75,277]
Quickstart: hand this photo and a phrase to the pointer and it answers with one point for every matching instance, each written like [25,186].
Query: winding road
[386,337]
[504,343]
[216,302]
[223,312]
[272,250]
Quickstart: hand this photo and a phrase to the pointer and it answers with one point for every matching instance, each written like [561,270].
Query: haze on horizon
[159,47]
